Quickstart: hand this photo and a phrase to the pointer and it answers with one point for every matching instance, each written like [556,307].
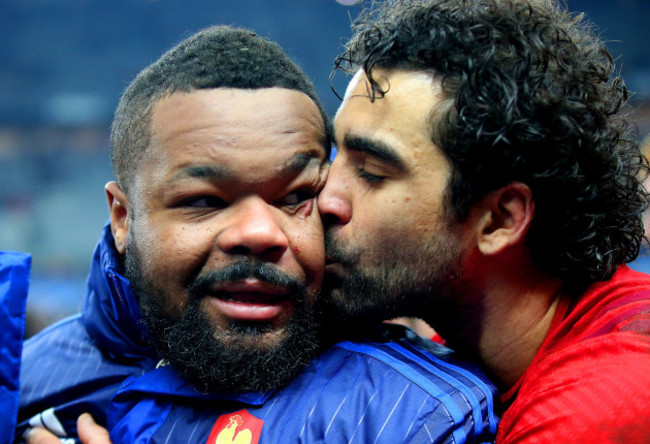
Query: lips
[330,260]
[250,300]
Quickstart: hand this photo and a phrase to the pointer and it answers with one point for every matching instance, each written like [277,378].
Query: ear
[118,206]
[507,214]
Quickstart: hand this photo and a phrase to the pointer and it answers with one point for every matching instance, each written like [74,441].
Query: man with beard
[486,181]
[199,320]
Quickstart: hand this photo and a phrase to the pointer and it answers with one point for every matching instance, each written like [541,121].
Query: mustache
[245,270]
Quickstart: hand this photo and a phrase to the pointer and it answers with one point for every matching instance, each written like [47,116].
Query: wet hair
[530,95]
[216,57]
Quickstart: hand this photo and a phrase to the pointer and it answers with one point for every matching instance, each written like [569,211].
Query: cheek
[308,246]
[400,209]
[385,225]
[169,252]
[381,216]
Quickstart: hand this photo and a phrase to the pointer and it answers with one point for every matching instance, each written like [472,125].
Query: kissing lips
[333,267]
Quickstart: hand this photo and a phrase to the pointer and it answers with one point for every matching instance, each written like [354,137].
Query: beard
[239,358]
[405,279]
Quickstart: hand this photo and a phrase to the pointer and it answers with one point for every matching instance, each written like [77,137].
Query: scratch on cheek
[308,209]
[296,250]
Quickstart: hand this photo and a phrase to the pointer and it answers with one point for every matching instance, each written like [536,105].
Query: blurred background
[64,64]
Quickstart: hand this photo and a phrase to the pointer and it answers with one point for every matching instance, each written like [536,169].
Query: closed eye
[296,198]
[368,177]
[204,202]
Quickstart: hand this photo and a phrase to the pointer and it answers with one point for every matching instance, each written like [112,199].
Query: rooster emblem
[238,427]
[230,435]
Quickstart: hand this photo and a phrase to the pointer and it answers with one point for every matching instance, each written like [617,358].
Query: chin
[253,335]
[239,356]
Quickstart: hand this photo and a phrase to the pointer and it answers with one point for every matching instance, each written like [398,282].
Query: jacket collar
[165,382]
[110,311]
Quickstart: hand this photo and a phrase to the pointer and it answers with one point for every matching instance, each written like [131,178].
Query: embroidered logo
[236,428]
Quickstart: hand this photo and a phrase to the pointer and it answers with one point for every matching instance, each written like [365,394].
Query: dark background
[64,64]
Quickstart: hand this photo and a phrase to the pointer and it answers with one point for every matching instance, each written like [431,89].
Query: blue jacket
[14,280]
[77,364]
[382,390]
[398,389]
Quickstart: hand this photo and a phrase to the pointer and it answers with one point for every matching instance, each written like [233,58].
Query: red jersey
[590,379]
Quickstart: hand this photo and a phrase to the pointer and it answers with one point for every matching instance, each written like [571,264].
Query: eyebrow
[209,172]
[375,148]
[298,162]
[295,164]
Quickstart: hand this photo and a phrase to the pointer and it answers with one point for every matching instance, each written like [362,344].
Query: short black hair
[529,94]
[216,57]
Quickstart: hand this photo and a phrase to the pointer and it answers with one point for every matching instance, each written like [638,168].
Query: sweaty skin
[229,173]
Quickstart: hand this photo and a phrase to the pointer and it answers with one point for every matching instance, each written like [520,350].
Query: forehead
[224,125]
[401,117]
[408,95]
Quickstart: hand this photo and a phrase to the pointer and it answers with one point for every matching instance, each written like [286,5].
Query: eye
[370,178]
[297,197]
[204,202]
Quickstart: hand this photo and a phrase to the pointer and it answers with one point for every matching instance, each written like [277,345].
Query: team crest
[236,428]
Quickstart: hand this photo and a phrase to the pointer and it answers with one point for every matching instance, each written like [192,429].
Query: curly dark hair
[529,95]
[219,56]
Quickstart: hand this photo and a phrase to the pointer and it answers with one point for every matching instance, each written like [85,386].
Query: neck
[505,332]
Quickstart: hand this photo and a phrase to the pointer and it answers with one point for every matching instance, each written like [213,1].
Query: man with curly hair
[642,262]
[486,182]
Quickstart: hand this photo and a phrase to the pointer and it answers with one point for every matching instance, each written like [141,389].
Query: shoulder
[626,287]
[431,367]
[590,379]
[595,390]
[383,392]
[71,357]
[64,374]
[404,384]
[57,342]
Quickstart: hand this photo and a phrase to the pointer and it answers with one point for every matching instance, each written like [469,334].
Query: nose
[254,229]
[334,203]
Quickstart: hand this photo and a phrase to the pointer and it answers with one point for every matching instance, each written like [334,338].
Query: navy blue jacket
[393,387]
[77,364]
[399,389]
